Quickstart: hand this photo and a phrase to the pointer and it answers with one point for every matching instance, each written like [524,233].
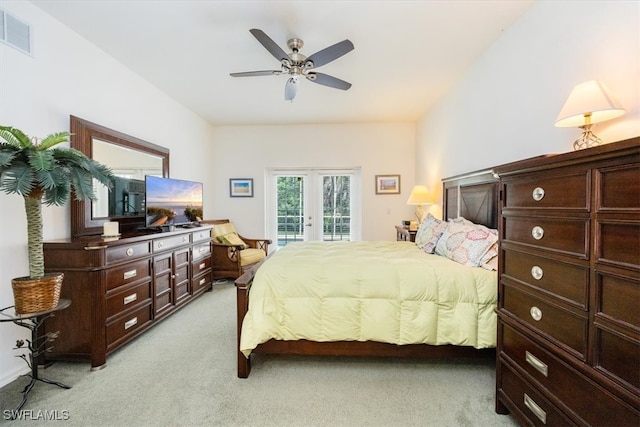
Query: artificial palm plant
[43,174]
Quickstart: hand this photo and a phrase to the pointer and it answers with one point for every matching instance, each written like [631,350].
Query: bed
[453,317]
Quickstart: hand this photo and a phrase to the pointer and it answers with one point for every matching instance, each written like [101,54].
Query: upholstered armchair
[233,253]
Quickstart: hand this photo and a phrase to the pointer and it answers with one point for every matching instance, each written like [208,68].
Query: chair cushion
[231,239]
[222,229]
[226,234]
[251,256]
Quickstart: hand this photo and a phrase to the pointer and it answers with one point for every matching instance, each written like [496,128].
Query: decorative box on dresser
[569,288]
[121,287]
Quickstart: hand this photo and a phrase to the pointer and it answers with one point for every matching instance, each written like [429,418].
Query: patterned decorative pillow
[429,232]
[231,239]
[467,243]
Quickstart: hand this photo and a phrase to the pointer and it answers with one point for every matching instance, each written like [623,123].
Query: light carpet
[182,372]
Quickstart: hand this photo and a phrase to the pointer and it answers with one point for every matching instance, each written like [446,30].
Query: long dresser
[569,288]
[121,287]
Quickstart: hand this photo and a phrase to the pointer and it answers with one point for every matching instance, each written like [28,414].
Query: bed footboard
[243,285]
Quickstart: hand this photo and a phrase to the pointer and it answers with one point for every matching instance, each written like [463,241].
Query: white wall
[66,75]
[246,151]
[505,107]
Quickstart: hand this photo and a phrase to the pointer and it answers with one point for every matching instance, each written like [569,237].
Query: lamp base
[587,139]
[421,214]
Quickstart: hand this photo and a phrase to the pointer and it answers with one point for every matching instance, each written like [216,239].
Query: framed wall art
[241,187]
[387,184]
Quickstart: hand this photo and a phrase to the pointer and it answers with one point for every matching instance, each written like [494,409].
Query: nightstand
[404,234]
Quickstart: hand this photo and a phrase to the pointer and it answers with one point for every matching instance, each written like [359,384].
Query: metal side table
[38,344]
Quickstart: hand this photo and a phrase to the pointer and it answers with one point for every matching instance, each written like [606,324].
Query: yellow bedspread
[369,291]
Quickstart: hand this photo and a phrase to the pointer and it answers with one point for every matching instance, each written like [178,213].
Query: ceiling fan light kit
[295,64]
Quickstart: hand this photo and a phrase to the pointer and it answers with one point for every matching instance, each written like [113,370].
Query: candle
[110,228]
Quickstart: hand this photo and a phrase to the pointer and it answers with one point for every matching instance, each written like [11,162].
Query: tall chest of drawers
[569,288]
[120,288]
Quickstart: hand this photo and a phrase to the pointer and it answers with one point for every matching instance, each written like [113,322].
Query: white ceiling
[407,54]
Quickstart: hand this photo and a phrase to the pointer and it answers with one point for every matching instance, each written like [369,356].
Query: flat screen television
[172,201]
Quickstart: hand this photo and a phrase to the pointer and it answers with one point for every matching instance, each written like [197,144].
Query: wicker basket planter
[36,295]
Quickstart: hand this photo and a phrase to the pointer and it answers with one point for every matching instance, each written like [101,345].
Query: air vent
[15,32]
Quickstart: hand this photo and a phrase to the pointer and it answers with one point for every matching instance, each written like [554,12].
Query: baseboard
[9,377]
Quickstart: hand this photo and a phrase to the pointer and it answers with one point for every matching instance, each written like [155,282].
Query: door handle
[308,224]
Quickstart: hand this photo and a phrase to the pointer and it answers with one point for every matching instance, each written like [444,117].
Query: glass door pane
[336,207]
[290,206]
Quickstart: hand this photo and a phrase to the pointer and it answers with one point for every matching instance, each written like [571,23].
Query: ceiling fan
[297,65]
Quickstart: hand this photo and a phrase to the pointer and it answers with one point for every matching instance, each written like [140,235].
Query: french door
[313,204]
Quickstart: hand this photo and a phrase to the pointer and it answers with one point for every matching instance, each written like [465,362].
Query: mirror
[130,159]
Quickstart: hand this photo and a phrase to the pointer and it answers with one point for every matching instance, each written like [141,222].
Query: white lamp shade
[419,196]
[588,98]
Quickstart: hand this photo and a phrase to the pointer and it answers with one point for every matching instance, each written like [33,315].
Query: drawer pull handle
[130,298]
[538,364]
[533,407]
[536,272]
[536,313]
[203,265]
[129,251]
[185,239]
[537,194]
[202,281]
[130,323]
[537,232]
[204,249]
[160,244]
[129,274]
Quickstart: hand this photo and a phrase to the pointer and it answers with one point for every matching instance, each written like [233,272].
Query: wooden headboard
[474,196]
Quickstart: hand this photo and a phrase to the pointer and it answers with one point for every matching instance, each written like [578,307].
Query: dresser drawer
[620,187]
[198,236]
[201,281]
[619,358]
[531,404]
[128,273]
[200,265]
[567,281]
[128,325]
[129,297]
[561,326]
[170,242]
[618,299]
[570,236]
[619,243]
[200,251]
[568,191]
[127,252]
[589,402]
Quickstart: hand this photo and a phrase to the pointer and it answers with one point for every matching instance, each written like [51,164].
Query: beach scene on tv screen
[171,201]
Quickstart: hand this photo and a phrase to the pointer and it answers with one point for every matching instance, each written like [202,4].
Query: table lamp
[419,197]
[589,103]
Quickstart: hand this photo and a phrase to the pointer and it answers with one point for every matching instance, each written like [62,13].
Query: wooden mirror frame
[82,134]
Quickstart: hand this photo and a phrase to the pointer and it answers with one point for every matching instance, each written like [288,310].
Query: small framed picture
[387,184]
[241,187]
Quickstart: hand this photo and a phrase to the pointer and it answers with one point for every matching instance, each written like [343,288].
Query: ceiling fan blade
[270,45]
[327,80]
[256,73]
[331,53]
[290,89]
